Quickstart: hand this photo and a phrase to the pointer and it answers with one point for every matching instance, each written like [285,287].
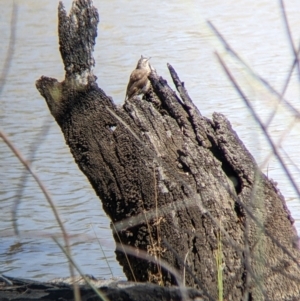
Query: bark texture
[175,184]
[16,289]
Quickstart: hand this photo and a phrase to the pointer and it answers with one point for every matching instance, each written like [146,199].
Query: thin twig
[46,194]
[259,122]
[231,51]
[98,292]
[112,275]
[11,46]
[123,250]
[146,256]
[33,149]
[289,34]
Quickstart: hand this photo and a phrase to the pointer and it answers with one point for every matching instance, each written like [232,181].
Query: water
[170,32]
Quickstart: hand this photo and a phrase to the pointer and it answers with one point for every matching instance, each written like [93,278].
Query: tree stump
[181,190]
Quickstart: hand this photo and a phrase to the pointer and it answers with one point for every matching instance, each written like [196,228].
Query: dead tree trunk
[174,183]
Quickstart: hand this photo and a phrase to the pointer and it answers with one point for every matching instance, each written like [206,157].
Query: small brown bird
[138,81]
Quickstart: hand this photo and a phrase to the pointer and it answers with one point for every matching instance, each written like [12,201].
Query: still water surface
[173,32]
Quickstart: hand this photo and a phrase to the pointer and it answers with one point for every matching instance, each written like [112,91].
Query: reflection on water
[170,32]
[15,248]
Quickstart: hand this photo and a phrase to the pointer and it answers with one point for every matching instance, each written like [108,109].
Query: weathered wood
[174,183]
[28,290]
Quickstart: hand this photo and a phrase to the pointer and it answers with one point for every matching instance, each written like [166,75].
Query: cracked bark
[171,180]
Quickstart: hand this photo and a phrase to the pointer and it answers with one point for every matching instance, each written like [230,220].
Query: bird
[138,80]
